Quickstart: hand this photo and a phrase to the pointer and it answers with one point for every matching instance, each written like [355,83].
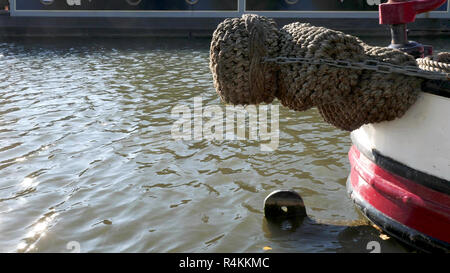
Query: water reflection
[307,235]
[37,231]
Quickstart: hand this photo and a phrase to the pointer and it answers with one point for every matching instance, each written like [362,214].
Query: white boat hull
[419,140]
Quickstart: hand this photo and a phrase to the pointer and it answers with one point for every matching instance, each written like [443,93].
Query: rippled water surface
[87,155]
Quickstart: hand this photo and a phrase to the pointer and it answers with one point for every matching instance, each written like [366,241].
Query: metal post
[397,13]
[399,34]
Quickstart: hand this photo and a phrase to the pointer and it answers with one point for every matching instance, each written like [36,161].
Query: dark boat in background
[194,17]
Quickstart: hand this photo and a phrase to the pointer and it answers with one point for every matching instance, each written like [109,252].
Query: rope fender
[345,98]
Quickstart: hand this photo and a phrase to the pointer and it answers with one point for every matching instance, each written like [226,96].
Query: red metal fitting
[404,11]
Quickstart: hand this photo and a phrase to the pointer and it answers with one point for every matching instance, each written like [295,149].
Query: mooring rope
[346,98]
[440,63]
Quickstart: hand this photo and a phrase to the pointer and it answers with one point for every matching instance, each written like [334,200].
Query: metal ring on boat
[47,2]
[133,2]
[291,2]
[192,2]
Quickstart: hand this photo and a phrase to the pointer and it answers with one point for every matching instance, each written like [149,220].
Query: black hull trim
[185,27]
[397,230]
[438,88]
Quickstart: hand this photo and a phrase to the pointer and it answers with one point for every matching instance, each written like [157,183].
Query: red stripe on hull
[405,201]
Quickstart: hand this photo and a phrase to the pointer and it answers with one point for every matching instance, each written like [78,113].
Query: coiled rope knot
[345,98]
[441,63]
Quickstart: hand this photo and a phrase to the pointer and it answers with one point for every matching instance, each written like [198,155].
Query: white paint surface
[420,139]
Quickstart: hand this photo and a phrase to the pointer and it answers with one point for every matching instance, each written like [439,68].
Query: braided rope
[236,60]
[346,98]
[257,52]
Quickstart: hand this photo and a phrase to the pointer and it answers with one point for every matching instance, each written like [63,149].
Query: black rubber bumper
[407,235]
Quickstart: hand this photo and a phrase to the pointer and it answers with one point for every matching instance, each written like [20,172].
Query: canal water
[88,160]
